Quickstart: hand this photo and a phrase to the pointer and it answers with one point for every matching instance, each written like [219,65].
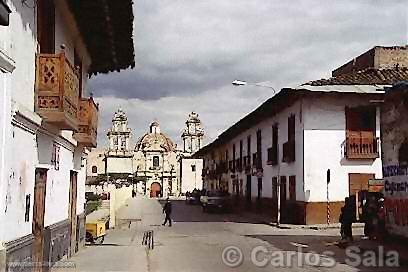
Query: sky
[188,52]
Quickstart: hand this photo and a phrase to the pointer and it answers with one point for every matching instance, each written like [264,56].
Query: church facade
[154,166]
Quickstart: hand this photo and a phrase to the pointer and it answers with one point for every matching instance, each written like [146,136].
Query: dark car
[193,197]
[216,200]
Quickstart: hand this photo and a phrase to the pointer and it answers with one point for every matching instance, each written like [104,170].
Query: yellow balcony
[57,91]
[88,123]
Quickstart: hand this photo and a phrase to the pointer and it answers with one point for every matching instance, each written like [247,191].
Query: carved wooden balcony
[88,123]
[357,147]
[57,91]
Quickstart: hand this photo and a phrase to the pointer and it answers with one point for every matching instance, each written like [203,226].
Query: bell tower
[119,133]
[193,134]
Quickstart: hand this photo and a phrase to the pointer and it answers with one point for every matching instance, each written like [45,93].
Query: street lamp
[238,82]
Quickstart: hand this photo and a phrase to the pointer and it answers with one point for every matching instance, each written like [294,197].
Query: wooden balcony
[289,154]
[88,123]
[57,91]
[360,148]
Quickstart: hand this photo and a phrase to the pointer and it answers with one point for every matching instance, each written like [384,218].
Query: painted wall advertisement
[396,199]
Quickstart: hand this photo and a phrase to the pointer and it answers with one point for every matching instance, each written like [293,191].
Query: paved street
[196,242]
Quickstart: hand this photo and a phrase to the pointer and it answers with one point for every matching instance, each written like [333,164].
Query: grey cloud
[188,52]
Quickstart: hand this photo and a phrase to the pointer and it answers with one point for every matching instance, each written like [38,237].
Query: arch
[155,189]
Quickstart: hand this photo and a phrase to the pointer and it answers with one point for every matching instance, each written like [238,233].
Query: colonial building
[48,120]
[305,149]
[154,165]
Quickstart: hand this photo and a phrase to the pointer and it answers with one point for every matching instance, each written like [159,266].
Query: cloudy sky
[188,53]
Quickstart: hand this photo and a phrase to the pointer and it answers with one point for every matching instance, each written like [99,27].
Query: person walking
[346,220]
[167,211]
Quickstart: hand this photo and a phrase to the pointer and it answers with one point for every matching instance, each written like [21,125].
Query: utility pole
[328,200]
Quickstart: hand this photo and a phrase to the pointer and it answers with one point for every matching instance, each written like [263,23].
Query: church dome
[155,140]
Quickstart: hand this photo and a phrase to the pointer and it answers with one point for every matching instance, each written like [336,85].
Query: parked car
[193,197]
[216,200]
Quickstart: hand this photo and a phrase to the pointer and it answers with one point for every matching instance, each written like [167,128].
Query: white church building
[154,166]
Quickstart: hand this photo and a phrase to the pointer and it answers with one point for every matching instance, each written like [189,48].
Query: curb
[312,227]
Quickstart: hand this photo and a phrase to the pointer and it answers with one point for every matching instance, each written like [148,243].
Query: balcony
[361,148]
[272,156]
[57,91]
[88,123]
[289,154]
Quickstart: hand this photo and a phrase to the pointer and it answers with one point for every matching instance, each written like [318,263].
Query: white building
[282,151]
[154,164]
[48,119]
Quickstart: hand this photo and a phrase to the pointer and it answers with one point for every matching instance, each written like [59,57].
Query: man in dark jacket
[167,211]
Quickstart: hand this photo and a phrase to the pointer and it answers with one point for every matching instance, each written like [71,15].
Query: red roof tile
[368,76]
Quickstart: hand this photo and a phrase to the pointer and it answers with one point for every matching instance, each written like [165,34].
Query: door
[283,194]
[38,216]
[275,205]
[155,189]
[72,212]
[358,186]
[248,188]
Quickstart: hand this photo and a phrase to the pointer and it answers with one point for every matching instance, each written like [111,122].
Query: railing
[57,91]
[355,147]
[88,123]
[289,154]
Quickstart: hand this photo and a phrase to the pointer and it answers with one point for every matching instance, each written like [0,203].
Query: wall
[21,157]
[191,180]
[325,124]
[394,122]
[119,165]
[95,158]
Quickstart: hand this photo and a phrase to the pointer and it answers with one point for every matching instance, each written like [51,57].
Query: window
[259,149]
[249,146]
[123,143]
[46,26]
[193,168]
[292,188]
[403,154]
[27,208]
[156,161]
[4,13]
[94,169]
[273,151]
[55,156]
[233,158]
[291,127]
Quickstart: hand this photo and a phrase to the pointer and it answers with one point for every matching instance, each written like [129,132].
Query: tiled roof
[368,76]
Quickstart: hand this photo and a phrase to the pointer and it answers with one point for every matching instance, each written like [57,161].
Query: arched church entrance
[155,189]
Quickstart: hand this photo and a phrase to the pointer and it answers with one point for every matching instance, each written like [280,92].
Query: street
[198,241]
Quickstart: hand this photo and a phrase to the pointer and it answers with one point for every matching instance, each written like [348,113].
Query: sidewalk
[264,219]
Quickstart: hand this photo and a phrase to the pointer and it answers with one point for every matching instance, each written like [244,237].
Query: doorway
[283,194]
[155,189]
[358,189]
[248,189]
[38,216]
[73,246]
